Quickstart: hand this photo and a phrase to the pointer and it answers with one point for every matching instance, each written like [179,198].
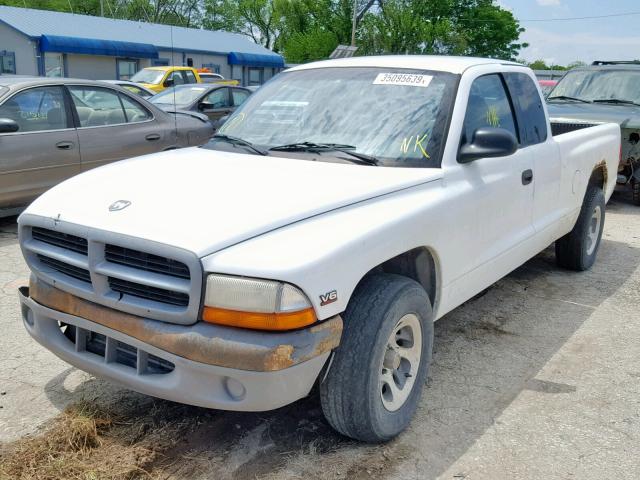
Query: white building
[45,43]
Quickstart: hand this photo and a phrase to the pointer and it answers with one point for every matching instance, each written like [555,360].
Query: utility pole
[102,8]
[354,23]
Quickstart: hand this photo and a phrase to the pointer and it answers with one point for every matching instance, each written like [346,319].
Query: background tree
[305,30]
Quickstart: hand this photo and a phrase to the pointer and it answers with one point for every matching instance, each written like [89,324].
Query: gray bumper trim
[190,382]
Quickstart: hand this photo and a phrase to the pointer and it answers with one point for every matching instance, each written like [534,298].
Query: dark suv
[606,91]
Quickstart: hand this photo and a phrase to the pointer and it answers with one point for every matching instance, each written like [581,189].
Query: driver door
[500,194]
[220,104]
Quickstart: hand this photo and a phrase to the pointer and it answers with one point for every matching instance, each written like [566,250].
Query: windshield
[397,116]
[148,76]
[181,95]
[593,85]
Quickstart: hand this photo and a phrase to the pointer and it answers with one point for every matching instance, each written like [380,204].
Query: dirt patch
[88,442]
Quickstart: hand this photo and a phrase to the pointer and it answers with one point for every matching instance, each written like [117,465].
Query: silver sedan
[52,129]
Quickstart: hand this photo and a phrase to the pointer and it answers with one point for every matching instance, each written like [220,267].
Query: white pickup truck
[345,207]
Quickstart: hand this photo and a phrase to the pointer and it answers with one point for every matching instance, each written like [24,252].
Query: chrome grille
[151,293]
[144,278]
[145,261]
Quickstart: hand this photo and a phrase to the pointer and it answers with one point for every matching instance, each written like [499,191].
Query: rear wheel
[577,250]
[374,382]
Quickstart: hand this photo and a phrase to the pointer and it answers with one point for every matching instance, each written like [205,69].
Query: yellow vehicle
[159,78]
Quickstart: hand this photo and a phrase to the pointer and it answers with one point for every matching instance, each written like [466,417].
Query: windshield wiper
[240,142]
[616,100]
[565,97]
[362,158]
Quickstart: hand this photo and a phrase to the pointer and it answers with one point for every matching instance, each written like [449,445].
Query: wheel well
[418,264]
[599,176]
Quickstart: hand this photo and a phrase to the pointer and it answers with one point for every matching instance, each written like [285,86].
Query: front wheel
[374,382]
[577,250]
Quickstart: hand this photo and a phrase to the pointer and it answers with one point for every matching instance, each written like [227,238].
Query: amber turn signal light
[259,321]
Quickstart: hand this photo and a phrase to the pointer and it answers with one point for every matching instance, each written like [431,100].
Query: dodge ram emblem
[119,205]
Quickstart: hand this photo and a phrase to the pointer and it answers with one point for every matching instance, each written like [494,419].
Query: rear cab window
[191,78]
[532,121]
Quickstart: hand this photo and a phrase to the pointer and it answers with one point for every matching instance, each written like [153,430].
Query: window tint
[37,109]
[532,121]
[126,68]
[218,98]
[191,78]
[134,111]
[7,62]
[488,107]
[255,76]
[53,64]
[177,77]
[97,106]
[239,96]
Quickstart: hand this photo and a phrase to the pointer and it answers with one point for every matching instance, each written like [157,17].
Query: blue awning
[92,46]
[256,60]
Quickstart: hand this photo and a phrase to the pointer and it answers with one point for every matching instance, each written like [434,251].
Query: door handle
[152,137]
[64,145]
[527,177]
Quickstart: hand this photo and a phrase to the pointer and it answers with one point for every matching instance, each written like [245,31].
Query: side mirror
[8,125]
[202,106]
[488,142]
[218,123]
[168,82]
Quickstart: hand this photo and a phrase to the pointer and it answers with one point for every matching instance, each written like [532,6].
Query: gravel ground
[537,378]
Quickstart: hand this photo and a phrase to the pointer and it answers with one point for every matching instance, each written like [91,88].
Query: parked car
[209,77]
[133,87]
[214,100]
[52,129]
[159,78]
[314,245]
[600,93]
[546,86]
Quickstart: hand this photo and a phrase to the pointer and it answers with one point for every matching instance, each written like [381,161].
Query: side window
[488,107]
[191,78]
[97,107]
[177,77]
[239,96]
[37,109]
[218,98]
[134,111]
[532,121]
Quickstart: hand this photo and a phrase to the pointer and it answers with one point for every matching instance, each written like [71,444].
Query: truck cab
[159,78]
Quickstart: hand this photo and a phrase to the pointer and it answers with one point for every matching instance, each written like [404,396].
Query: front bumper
[260,371]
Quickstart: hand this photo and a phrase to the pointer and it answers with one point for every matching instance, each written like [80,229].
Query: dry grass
[88,443]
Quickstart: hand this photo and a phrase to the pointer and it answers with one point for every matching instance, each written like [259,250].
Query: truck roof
[441,63]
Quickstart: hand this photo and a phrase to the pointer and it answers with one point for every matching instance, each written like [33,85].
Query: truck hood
[204,200]
[627,116]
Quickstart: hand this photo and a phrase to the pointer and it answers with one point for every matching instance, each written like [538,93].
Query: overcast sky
[562,42]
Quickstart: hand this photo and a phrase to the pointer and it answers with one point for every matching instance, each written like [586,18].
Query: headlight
[253,303]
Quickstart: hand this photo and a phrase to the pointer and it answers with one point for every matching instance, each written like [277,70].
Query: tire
[355,399]
[577,250]
[635,191]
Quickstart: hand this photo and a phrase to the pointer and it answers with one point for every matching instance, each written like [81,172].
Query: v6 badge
[328,298]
